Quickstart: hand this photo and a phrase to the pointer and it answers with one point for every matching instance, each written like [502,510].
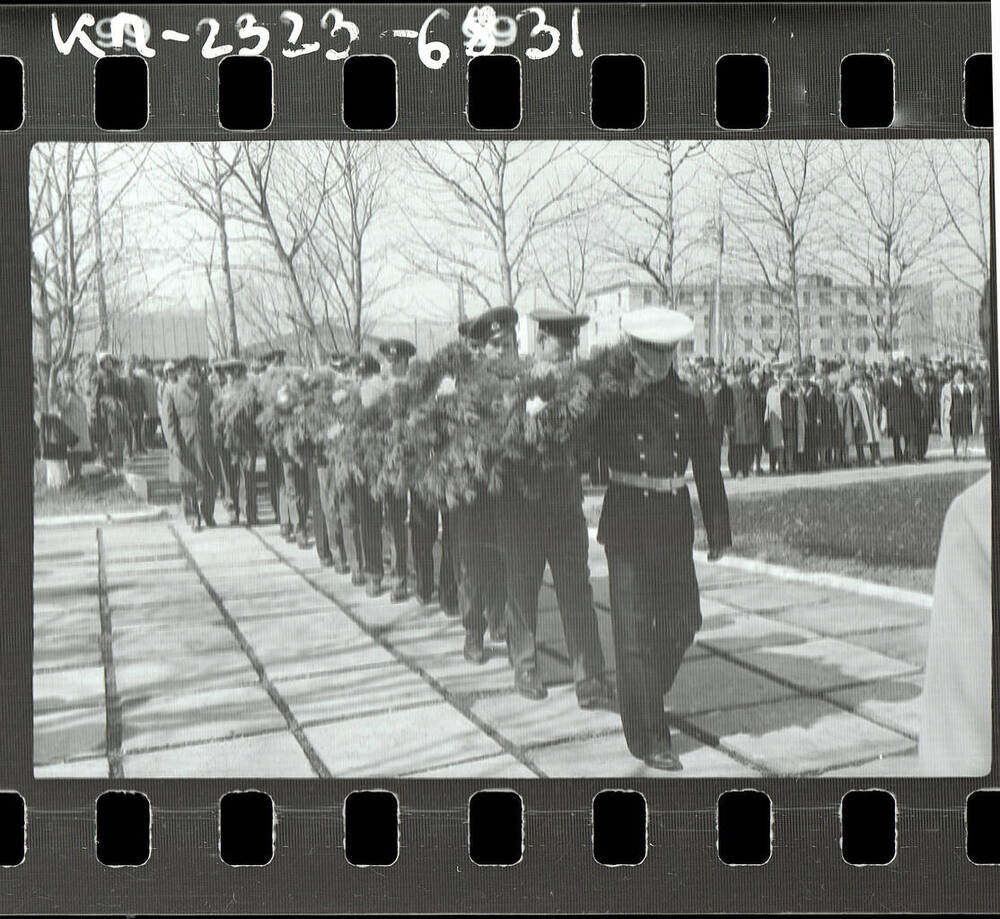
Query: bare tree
[658,228]
[345,262]
[890,228]
[565,257]
[67,217]
[772,188]
[287,214]
[960,171]
[202,176]
[486,204]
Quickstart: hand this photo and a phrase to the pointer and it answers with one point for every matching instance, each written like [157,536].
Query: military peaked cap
[366,364]
[492,324]
[397,347]
[560,323]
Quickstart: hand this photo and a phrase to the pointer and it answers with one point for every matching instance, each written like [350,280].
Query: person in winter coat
[956,411]
[924,410]
[895,396]
[747,431]
[188,431]
[843,423]
[73,412]
[108,409]
[865,411]
[774,440]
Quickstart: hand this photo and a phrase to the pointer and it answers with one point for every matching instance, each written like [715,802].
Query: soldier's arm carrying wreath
[457,424]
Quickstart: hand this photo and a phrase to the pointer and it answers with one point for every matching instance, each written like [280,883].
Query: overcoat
[897,400]
[188,430]
[748,415]
[774,438]
[924,408]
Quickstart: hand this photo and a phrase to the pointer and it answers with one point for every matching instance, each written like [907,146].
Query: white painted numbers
[483,30]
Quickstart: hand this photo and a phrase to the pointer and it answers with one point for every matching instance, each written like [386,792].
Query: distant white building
[835,319]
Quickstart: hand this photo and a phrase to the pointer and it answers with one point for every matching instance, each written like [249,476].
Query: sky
[173,243]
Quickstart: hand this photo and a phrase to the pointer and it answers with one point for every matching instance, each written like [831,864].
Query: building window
[862,322]
[708,320]
[619,299]
[878,321]
[766,297]
[862,344]
[845,344]
[826,322]
[747,322]
[748,295]
[862,298]
[619,323]
[825,298]
[686,296]
[663,297]
[748,345]
[707,296]
[843,298]
[647,296]
[786,297]
[826,344]
[727,296]
[845,320]
[805,296]
[767,322]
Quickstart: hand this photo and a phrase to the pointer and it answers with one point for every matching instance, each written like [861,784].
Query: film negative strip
[498,458]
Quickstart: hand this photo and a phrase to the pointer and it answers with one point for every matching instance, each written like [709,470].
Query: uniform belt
[647,482]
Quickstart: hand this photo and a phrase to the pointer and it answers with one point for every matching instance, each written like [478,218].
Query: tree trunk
[104,336]
[234,338]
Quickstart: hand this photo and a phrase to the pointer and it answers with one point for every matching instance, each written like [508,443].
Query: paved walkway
[165,653]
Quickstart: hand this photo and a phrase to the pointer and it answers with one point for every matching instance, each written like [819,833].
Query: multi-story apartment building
[835,319]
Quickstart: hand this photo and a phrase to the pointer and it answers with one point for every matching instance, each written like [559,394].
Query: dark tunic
[961,411]
[748,415]
[897,399]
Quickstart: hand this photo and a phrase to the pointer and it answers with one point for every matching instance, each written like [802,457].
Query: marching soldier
[399,351]
[242,467]
[369,510]
[472,526]
[328,527]
[648,437]
[548,527]
[272,464]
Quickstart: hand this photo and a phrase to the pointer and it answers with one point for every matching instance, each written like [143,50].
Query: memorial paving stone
[557,717]
[488,767]
[457,677]
[180,716]
[898,764]
[857,614]
[93,768]
[609,757]
[798,735]
[906,644]
[80,687]
[821,664]
[709,682]
[164,673]
[54,649]
[397,742]
[730,631]
[772,594]
[330,697]
[895,703]
[275,755]
[75,731]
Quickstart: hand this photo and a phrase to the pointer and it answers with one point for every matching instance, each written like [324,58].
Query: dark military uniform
[648,535]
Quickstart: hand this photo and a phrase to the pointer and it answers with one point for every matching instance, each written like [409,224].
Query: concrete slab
[93,768]
[275,755]
[528,723]
[822,664]
[894,703]
[461,679]
[196,639]
[300,645]
[708,682]
[908,644]
[799,735]
[399,742]
[608,757]
[69,732]
[730,631]
[342,695]
[902,764]
[81,687]
[165,674]
[490,767]
[65,650]
[178,716]
[85,619]
[771,594]
[859,614]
